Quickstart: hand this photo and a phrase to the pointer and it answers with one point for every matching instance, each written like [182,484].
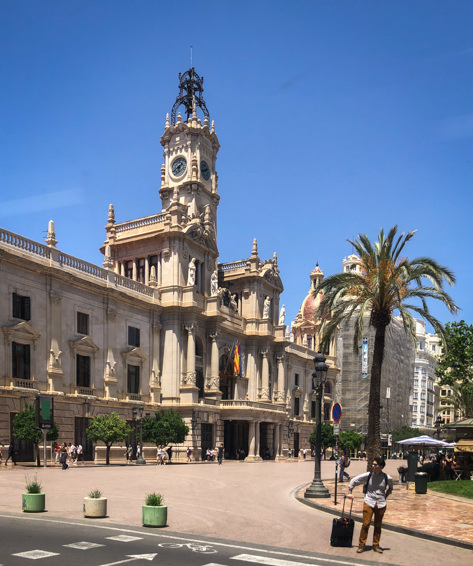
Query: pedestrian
[129,454]
[169,453]
[344,462]
[189,454]
[79,453]
[1,455]
[220,454]
[57,453]
[11,454]
[377,488]
[64,455]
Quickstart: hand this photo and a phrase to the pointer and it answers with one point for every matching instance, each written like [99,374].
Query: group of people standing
[68,454]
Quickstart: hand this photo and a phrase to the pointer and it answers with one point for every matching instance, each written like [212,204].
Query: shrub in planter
[95,505]
[34,500]
[154,512]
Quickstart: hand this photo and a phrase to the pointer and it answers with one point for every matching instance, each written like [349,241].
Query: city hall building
[159,325]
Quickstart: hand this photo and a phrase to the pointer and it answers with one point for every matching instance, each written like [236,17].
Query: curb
[389,526]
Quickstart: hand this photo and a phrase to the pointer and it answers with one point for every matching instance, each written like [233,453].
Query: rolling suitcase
[342,529]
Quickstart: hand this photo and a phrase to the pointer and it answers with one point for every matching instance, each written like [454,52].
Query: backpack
[347,461]
[365,487]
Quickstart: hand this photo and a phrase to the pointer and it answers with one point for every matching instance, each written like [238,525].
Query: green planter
[33,502]
[154,516]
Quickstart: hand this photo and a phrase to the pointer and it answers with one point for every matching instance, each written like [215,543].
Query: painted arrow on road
[132,557]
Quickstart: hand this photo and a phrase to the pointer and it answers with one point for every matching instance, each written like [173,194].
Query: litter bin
[421,482]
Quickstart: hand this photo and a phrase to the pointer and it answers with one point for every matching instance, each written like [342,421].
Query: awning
[465,445]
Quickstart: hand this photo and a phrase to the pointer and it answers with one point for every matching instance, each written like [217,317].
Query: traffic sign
[336,412]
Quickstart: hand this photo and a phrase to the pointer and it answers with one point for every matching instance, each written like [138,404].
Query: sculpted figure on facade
[191,273]
[233,303]
[54,360]
[214,284]
[282,315]
[266,307]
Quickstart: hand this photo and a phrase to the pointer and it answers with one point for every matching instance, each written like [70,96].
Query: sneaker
[360,549]
[377,549]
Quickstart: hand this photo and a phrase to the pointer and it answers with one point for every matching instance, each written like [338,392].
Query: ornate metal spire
[191,87]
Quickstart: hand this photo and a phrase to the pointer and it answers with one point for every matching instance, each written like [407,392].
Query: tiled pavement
[435,516]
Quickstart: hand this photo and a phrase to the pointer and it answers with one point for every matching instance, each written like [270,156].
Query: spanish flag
[236,359]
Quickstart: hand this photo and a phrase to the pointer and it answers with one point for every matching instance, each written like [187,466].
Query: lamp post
[139,418]
[317,488]
[438,424]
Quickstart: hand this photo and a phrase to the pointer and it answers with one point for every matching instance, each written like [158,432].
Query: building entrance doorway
[236,439]
[206,431]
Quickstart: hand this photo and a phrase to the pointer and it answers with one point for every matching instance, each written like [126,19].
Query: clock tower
[189,179]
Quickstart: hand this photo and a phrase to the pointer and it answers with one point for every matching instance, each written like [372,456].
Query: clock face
[179,166]
[205,170]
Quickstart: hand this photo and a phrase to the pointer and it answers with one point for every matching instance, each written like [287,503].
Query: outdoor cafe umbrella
[423,440]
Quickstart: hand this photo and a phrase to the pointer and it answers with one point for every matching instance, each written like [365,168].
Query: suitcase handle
[343,510]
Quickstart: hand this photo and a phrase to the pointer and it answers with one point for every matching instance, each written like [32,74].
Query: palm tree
[385,286]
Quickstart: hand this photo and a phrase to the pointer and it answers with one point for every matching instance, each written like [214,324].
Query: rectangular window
[82,323]
[133,336]
[128,269]
[414,408]
[296,379]
[133,379]
[309,341]
[82,371]
[140,270]
[422,409]
[416,383]
[416,395]
[20,361]
[21,307]
[296,406]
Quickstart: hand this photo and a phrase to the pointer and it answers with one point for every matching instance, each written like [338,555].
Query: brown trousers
[378,519]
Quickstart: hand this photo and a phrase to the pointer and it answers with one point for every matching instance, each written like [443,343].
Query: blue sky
[335,118]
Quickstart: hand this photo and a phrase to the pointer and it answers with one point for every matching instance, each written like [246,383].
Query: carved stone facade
[157,324]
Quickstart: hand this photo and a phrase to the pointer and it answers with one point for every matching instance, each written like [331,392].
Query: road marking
[36,554]
[279,562]
[132,557]
[83,545]
[124,538]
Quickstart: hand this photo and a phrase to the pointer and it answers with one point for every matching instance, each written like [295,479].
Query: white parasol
[423,440]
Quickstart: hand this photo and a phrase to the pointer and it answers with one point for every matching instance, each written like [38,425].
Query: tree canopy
[166,427]
[387,283]
[455,363]
[327,438]
[108,429]
[404,432]
[24,428]
[350,440]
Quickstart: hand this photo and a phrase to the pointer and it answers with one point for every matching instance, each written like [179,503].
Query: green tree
[166,427]
[350,440]
[455,363]
[387,283]
[462,399]
[327,438]
[404,432]
[24,428]
[108,429]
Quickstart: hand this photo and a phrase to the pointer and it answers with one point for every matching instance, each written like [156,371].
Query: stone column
[265,376]
[214,377]
[258,439]
[281,394]
[251,440]
[147,270]
[276,441]
[190,378]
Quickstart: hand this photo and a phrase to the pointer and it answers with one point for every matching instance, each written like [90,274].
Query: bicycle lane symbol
[195,547]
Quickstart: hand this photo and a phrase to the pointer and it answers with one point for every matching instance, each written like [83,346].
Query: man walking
[220,454]
[11,454]
[344,462]
[377,488]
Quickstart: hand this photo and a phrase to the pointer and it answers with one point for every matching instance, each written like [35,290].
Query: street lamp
[438,424]
[139,418]
[317,488]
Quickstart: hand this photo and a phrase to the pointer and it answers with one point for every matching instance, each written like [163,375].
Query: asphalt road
[49,542]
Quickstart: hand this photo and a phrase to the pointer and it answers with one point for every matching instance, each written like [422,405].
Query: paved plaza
[255,503]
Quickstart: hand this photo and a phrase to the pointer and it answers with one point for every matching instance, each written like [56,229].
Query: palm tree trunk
[373,440]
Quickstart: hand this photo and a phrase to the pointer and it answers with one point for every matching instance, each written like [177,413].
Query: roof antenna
[191,56]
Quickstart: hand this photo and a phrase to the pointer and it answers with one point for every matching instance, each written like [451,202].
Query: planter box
[33,502]
[154,516]
[95,507]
